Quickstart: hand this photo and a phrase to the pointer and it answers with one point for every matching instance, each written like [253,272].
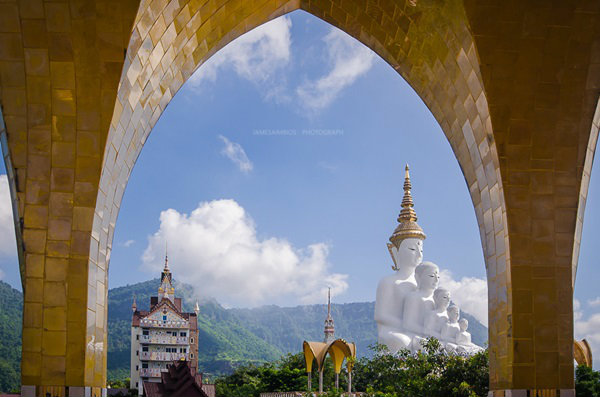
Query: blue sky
[277,171]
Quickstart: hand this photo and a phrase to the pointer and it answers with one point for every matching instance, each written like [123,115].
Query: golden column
[60,64]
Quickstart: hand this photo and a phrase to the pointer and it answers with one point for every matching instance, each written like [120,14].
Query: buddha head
[427,276]
[463,324]
[409,254]
[453,313]
[441,297]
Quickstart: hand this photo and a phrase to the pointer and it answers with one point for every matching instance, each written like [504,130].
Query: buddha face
[441,297]
[453,313]
[463,324]
[410,253]
[427,276]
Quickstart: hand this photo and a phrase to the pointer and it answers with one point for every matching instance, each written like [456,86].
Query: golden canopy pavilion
[338,349]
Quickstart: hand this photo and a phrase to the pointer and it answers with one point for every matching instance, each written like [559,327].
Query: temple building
[162,335]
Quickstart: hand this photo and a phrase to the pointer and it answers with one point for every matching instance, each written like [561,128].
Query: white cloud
[263,56]
[128,243]
[328,166]
[8,244]
[349,60]
[469,293]
[258,56]
[594,302]
[588,327]
[216,249]
[236,153]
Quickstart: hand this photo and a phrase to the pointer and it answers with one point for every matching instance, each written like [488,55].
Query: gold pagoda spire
[407,219]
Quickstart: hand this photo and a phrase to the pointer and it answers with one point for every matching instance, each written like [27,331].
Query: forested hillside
[11,309]
[228,337]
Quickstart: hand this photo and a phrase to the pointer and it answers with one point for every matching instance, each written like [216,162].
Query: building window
[144,348]
[192,355]
[192,340]
[137,367]
[164,318]
[136,384]
[137,337]
[137,352]
[145,332]
[182,334]
[144,365]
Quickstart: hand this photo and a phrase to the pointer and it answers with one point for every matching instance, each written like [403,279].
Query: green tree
[430,372]
[9,379]
[587,382]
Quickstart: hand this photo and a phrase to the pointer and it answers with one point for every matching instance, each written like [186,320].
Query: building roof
[177,381]
[165,297]
[140,314]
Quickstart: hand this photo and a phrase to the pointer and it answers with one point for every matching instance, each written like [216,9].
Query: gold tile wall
[514,87]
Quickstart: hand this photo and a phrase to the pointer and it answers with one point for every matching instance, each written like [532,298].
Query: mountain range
[227,337]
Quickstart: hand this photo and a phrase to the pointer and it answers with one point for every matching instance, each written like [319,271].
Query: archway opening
[326,177]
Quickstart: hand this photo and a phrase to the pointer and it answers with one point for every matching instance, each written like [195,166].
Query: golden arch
[339,350]
[515,95]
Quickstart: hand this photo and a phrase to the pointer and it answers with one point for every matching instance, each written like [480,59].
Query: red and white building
[162,335]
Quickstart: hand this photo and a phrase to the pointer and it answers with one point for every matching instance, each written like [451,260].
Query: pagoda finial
[197,309]
[407,219]
[329,302]
[407,213]
[134,305]
[166,257]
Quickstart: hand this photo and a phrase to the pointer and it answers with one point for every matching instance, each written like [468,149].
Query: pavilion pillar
[321,381]
[349,381]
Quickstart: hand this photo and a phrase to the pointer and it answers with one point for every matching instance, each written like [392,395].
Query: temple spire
[166,290]
[328,302]
[408,212]
[329,326]
[134,305]
[166,269]
[407,219]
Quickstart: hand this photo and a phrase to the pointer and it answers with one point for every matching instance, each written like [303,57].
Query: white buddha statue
[451,329]
[436,318]
[406,249]
[420,302]
[463,339]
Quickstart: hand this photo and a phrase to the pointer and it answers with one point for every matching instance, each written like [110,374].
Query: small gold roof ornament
[407,220]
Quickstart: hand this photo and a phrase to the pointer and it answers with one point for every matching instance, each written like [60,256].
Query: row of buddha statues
[410,306]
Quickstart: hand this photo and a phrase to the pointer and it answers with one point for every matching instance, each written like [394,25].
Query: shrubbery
[430,373]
